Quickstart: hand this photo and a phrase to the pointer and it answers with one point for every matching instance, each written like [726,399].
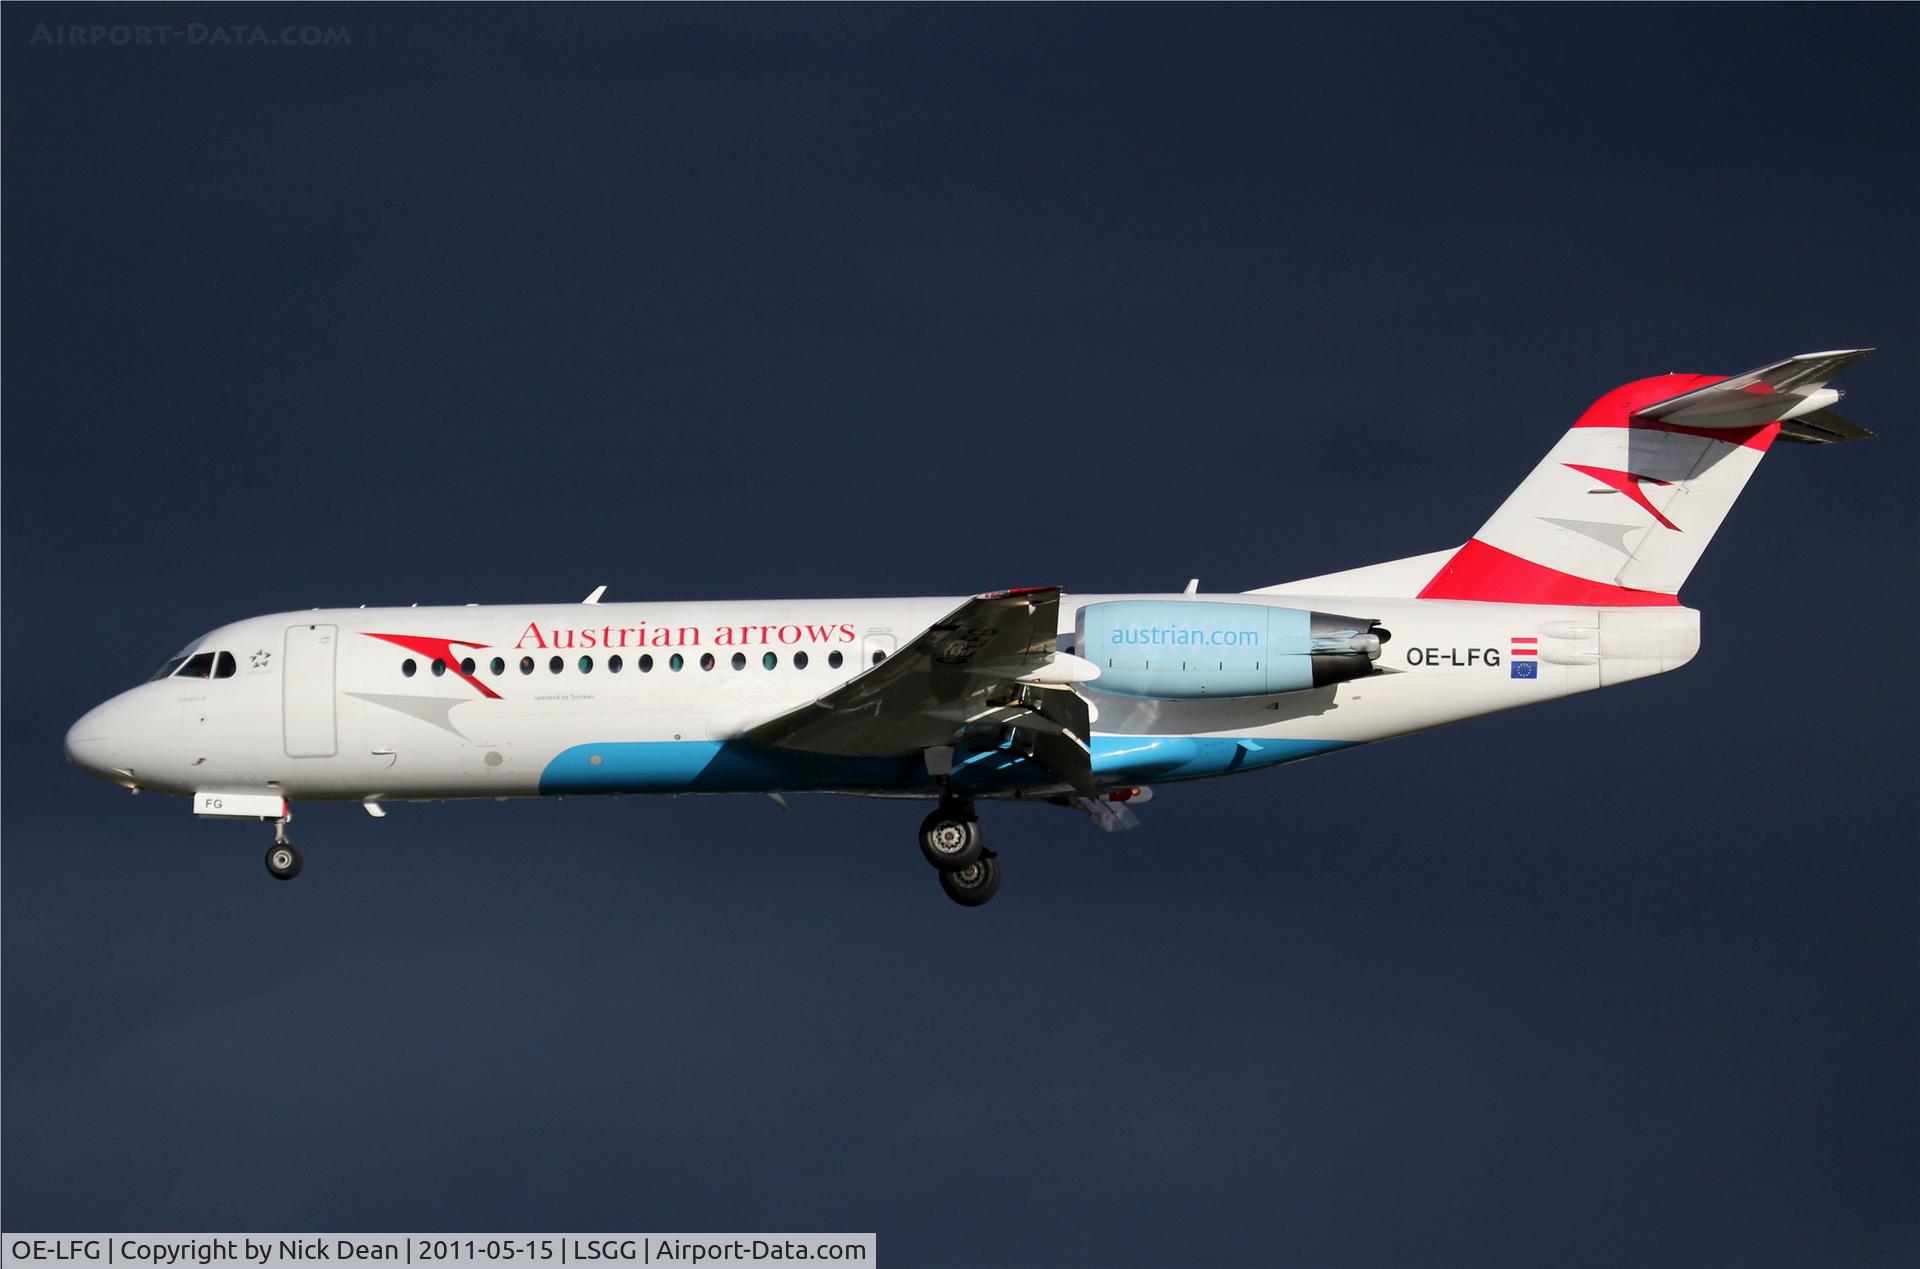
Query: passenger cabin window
[645,663]
[706,660]
[675,662]
[586,665]
[614,663]
[834,659]
[526,665]
[407,668]
[498,665]
[556,664]
[799,660]
[466,666]
[739,660]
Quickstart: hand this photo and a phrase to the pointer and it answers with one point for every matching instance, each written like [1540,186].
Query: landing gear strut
[283,861]
[950,839]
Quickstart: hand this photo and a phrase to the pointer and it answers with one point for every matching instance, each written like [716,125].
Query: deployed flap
[961,672]
[1062,749]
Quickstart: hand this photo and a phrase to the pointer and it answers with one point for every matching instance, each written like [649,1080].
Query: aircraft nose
[92,744]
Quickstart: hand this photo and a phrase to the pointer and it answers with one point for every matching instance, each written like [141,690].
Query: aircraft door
[307,697]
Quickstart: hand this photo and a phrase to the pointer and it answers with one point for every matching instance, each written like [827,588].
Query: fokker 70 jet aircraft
[1080,701]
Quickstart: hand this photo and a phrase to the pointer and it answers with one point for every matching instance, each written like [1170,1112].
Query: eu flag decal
[1522,655]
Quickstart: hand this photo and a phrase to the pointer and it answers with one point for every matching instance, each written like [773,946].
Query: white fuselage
[320,705]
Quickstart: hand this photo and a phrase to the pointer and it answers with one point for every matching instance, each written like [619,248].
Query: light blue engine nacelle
[1171,650]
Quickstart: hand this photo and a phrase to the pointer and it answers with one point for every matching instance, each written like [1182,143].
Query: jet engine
[1168,649]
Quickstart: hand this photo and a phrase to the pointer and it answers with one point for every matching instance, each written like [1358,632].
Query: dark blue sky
[501,304]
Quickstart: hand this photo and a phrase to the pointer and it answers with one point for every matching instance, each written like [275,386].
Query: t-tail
[1619,511]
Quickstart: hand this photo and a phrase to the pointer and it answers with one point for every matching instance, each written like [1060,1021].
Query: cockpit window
[198,666]
[166,671]
[224,666]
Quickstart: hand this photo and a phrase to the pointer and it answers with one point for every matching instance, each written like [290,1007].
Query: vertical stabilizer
[1619,511]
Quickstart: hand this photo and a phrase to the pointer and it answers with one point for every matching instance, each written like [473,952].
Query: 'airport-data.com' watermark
[188,35]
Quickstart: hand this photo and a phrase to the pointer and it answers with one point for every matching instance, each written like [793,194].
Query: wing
[977,670]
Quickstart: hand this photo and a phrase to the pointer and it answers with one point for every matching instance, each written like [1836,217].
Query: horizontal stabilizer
[1782,391]
[1822,427]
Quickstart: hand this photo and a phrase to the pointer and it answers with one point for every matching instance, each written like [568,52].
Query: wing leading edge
[976,672]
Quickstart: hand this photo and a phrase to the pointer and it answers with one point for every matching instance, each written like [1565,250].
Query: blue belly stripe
[735,766]
[1119,759]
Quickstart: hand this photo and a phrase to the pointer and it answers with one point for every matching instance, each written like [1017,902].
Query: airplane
[1034,694]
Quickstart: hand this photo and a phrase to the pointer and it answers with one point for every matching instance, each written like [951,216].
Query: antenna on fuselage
[595,597]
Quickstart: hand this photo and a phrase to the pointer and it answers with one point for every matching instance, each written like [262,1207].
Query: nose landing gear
[950,839]
[283,861]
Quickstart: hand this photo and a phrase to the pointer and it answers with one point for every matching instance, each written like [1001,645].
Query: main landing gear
[283,861]
[950,839]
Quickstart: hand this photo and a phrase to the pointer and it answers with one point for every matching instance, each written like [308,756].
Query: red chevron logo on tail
[1629,484]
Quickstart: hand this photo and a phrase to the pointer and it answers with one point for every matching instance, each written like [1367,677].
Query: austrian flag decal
[1523,657]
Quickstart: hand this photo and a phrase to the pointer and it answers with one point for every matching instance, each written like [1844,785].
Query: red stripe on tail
[1491,575]
[1616,410]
